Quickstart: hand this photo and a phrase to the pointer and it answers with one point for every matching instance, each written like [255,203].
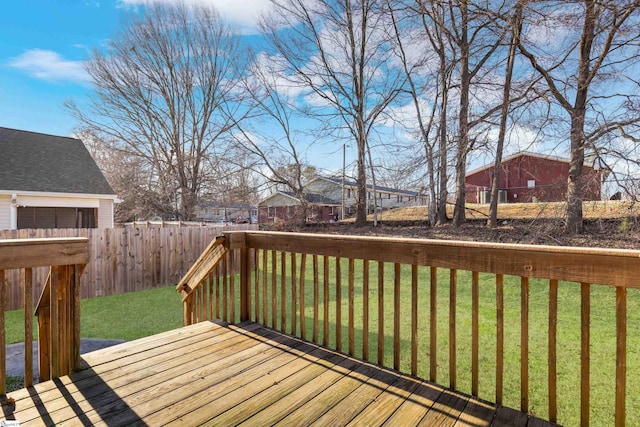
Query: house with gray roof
[49,181]
[325,196]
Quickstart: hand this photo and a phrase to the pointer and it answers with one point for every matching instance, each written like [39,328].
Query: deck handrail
[59,317]
[274,268]
[197,275]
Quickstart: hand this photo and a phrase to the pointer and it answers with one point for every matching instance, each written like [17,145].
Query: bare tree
[581,48]
[515,24]
[339,53]
[446,64]
[270,136]
[128,176]
[476,41]
[428,86]
[233,180]
[165,92]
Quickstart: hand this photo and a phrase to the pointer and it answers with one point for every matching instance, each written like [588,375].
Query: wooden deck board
[216,374]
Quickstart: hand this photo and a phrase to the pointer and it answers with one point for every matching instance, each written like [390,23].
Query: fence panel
[124,259]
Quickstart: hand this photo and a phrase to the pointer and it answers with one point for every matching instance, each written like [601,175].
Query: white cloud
[50,65]
[554,26]
[241,13]
[518,138]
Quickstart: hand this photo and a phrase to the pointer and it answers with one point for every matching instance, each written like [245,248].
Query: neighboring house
[51,181]
[529,177]
[285,207]
[219,212]
[325,197]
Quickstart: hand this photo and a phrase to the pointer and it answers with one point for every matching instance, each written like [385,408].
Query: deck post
[233,241]
[245,291]
[76,273]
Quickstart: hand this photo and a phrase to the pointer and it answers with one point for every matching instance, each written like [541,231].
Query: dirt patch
[607,233]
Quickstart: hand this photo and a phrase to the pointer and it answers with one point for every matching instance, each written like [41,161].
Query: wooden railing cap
[27,253]
[235,237]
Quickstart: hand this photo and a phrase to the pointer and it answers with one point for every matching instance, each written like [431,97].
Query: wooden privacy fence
[121,259]
[508,323]
[58,308]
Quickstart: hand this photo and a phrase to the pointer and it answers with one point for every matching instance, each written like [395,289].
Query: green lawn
[125,317]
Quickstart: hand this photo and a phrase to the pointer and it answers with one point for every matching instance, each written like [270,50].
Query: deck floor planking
[217,374]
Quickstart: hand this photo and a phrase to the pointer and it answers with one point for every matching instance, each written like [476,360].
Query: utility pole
[344,166]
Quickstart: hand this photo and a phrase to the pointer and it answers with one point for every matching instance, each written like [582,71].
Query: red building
[529,177]
[285,207]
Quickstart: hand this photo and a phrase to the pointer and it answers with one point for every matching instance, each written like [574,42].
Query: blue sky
[43,44]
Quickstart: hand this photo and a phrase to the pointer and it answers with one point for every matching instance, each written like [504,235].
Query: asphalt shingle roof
[352,183]
[315,198]
[32,161]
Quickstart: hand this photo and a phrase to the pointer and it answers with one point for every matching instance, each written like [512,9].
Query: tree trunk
[459,216]
[575,182]
[442,164]
[575,187]
[433,207]
[497,167]
[361,202]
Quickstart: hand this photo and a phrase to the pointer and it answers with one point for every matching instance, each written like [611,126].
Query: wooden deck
[213,374]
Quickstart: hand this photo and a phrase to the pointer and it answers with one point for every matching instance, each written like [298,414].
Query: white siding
[279,200]
[328,189]
[57,202]
[105,213]
[5,212]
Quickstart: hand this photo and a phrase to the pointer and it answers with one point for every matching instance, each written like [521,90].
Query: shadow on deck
[213,373]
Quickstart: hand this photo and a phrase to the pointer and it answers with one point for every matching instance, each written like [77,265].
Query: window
[30,217]
[348,193]
[331,210]
[531,183]
[291,211]
[271,211]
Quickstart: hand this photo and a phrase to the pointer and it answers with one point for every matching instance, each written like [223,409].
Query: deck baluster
[621,355]
[433,324]
[475,296]
[365,309]
[553,334]
[381,313]
[464,263]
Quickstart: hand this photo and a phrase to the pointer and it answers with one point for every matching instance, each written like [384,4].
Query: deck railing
[510,313]
[58,310]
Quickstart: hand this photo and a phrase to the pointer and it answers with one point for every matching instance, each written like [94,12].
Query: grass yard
[125,316]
